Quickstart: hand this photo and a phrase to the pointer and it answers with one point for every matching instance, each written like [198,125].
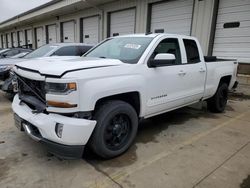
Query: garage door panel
[233,42]
[232,45]
[91,30]
[235,9]
[239,55]
[122,22]
[4,41]
[233,49]
[173,5]
[243,24]
[174,12]
[243,16]
[172,16]
[52,34]
[29,36]
[233,3]
[185,19]
[225,40]
[14,38]
[39,37]
[233,32]
[69,31]
[125,23]
[9,40]
[125,20]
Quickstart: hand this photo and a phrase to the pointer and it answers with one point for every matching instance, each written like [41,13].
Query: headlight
[60,88]
[5,67]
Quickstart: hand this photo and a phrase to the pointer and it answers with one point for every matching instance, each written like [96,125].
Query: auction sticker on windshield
[133,46]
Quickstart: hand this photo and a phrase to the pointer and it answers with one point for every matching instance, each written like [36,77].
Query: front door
[165,84]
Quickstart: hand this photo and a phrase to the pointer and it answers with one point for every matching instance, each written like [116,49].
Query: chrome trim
[29,132]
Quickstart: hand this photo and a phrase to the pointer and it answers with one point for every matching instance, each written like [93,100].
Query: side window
[11,53]
[81,50]
[66,51]
[192,51]
[171,46]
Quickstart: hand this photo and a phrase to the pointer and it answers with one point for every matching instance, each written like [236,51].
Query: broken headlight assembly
[60,88]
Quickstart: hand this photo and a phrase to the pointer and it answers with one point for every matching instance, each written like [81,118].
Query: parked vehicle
[13,51]
[98,100]
[58,49]
[3,50]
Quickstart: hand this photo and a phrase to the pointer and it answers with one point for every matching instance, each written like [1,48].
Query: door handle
[202,70]
[182,73]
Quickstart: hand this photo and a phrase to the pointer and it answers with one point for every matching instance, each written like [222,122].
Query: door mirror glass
[162,59]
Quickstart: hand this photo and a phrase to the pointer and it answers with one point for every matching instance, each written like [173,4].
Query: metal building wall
[201,18]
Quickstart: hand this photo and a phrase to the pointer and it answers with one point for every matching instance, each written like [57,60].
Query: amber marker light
[60,104]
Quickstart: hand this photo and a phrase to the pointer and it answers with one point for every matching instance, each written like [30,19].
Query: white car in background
[59,49]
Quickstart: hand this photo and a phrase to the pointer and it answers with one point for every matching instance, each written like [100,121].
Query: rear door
[195,72]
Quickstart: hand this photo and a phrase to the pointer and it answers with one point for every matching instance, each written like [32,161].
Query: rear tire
[218,102]
[116,129]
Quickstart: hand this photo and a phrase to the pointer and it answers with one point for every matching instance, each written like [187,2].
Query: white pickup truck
[98,100]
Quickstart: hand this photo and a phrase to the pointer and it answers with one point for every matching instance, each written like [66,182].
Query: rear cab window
[192,51]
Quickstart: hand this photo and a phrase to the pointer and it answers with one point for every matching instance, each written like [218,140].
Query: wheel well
[226,79]
[133,98]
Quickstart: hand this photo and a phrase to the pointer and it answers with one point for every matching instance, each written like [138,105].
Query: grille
[35,86]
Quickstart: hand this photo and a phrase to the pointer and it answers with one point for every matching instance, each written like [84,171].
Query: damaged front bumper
[41,127]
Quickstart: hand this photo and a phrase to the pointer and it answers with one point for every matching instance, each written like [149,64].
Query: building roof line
[31,11]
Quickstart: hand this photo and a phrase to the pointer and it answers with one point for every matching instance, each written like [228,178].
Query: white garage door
[39,37]
[68,31]
[52,34]
[8,40]
[20,38]
[4,41]
[90,30]
[172,17]
[14,39]
[29,36]
[232,35]
[122,22]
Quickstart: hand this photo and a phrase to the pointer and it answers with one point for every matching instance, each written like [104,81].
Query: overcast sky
[10,8]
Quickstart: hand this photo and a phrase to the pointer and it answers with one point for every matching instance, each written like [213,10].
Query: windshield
[126,49]
[41,52]
[4,50]
[22,54]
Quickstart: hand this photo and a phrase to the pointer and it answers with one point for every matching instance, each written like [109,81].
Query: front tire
[116,129]
[218,102]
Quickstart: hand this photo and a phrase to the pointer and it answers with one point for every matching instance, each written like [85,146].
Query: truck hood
[58,67]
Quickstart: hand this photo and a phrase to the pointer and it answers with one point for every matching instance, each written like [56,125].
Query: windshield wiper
[102,57]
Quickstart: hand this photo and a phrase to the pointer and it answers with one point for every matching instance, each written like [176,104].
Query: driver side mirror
[162,59]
